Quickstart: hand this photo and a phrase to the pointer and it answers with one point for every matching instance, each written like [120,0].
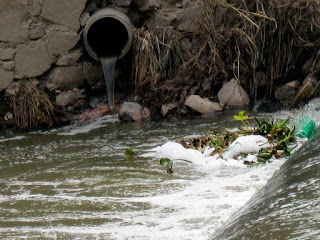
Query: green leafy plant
[168,164]
[242,117]
[130,153]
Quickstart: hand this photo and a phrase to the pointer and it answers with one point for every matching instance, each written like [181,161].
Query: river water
[77,183]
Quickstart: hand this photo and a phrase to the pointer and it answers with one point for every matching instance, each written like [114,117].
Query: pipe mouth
[108,33]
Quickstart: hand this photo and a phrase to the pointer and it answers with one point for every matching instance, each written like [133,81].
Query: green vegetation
[279,136]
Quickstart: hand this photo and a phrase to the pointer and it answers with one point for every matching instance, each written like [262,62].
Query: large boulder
[233,95]
[60,40]
[13,21]
[32,60]
[66,13]
[6,78]
[132,111]
[65,78]
[202,105]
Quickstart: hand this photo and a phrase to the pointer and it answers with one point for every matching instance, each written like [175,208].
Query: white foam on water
[3,139]
[88,126]
[194,212]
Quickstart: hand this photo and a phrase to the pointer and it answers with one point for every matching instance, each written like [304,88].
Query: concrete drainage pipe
[108,33]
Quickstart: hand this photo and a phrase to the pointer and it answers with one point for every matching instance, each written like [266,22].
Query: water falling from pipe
[109,66]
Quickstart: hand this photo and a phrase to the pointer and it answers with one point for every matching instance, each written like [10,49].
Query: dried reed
[32,108]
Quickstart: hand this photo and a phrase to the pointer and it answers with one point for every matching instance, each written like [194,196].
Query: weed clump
[32,107]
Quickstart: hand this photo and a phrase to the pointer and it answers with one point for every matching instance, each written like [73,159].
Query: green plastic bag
[305,128]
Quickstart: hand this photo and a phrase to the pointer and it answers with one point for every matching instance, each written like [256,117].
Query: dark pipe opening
[107,37]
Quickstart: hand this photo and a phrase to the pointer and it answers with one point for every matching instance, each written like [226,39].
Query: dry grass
[32,108]
[241,39]
[246,36]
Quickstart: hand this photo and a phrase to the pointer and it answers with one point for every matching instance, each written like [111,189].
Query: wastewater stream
[77,183]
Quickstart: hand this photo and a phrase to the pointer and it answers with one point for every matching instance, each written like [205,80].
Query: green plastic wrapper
[305,128]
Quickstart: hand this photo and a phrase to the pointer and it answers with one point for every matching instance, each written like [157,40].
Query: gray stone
[6,78]
[121,3]
[147,5]
[162,19]
[68,59]
[13,21]
[84,18]
[293,84]
[7,53]
[285,92]
[233,95]
[308,84]
[132,111]
[67,98]
[12,89]
[37,31]
[32,60]
[166,108]
[190,19]
[92,73]
[66,13]
[8,65]
[36,7]
[91,6]
[66,78]
[60,40]
[202,105]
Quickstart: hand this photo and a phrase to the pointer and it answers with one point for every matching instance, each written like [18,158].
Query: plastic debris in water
[305,128]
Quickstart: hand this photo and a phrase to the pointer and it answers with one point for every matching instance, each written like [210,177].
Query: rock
[285,92]
[147,5]
[13,21]
[68,59]
[167,108]
[308,84]
[8,65]
[66,78]
[36,7]
[37,31]
[65,13]
[32,60]
[12,89]
[294,84]
[68,98]
[233,95]
[132,111]
[162,19]
[6,78]
[7,53]
[121,3]
[91,6]
[190,19]
[92,73]
[60,39]
[202,105]
[84,18]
